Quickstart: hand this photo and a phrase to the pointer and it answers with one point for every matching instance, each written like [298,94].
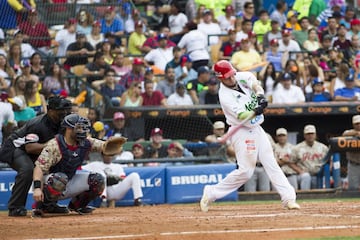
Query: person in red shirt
[229,47]
[152,97]
[36,32]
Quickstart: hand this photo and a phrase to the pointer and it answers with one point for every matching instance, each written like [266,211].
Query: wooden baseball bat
[254,66]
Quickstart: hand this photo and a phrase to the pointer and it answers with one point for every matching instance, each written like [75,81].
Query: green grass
[329,238]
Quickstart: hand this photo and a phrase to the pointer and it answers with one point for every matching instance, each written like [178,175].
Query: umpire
[22,148]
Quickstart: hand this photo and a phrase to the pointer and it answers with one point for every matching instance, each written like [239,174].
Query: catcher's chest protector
[71,158]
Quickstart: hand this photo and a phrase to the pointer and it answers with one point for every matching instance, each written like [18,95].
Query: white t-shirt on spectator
[225,24]
[210,29]
[293,46]
[195,43]
[26,50]
[177,22]
[241,35]
[160,57]
[176,100]
[94,42]
[2,35]
[64,38]
[292,95]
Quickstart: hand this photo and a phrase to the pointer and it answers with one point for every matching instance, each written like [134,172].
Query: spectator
[262,26]
[36,32]
[278,14]
[167,85]
[99,130]
[37,68]
[249,12]
[341,42]
[33,98]
[177,21]
[109,88]
[309,154]
[138,151]
[131,21]
[211,95]
[135,75]
[184,72]
[22,113]
[132,96]
[274,33]
[161,15]
[6,71]
[176,61]
[277,58]
[289,45]
[227,21]
[208,27]
[311,44]
[180,97]
[353,158]
[336,58]
[115,47]
[152,42]
[120,129]
[283,151]
[316,8]
[195,44]
[6,115]
[9,20]
[106,50]
[318,93]
[286,92]
[26,49]
[268,78]
[14,57]
[118,65]
[246,28]
[292,23]
[302,7]
[25,67]
[246,59]
[354,29]
[117,183]
[349,16]
[18,87]
[300,36]
[254,45]
[109,23]
[331,29]
[324,47]
[156,138]
[228,48]
[65,37]
[55,81]
[338,78]
[78,52]
[199,84]
[95,37]
[96,69]
[151,97]
[136,39]
[348,93]
[84,20]
[161,55]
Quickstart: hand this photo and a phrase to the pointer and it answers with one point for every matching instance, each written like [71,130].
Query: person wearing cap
[22,148]
[353,158]
[180,97]
[211,95]
[318,93]
[156,138]
[227,21]
[209,28]
[36,32]
[110,23]
[120,129]
[99,130]
[25,66]
[195,44]
[287,92]
[350,92]
[309,156]
[277,58]
[278,14]
[283,151]
[274,33]
[137,150]
[96,36]
[288,44]
[152,42]
[78,52]
[161,55]
[292,21]
[136,75]
[246,59]
[136,39]
[22,113]
[26,49]
[229,47]
[195,86]
[185,71]
[167,85]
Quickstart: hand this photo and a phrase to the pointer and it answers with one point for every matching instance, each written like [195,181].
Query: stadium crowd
[144,54]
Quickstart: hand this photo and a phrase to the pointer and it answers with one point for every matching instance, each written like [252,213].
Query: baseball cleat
[292,205]
[204,202]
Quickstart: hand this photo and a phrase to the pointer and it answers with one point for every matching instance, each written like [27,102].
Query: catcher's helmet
[224,69]
[80,124]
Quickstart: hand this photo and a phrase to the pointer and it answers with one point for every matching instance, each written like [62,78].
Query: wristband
[37,184]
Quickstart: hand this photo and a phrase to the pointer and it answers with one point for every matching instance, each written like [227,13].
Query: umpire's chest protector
[71,158]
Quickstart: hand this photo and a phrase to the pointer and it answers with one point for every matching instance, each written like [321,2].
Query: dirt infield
[228,221]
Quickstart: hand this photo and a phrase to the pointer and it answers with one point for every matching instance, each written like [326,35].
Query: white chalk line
[206,232]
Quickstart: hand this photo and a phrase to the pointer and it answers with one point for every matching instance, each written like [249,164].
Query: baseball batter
[241,96]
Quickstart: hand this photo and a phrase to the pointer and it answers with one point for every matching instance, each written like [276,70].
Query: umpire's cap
[59,103]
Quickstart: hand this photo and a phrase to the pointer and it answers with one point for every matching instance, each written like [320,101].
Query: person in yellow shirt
[262,26]
[246,59]
[136,39]
[292,21]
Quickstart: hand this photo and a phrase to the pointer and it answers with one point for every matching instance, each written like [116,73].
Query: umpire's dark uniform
[13,151]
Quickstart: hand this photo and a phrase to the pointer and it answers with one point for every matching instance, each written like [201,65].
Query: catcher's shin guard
[96,187]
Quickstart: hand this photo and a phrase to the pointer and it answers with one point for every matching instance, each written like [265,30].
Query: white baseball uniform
[250,142]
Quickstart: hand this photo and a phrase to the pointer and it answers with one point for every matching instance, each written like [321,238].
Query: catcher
[55,175]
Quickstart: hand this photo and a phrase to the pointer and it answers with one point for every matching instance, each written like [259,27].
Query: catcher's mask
[80,125]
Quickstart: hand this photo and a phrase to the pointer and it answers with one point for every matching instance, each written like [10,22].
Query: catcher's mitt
[113,145]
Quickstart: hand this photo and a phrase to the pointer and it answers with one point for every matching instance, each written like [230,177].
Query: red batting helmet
[224,69]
